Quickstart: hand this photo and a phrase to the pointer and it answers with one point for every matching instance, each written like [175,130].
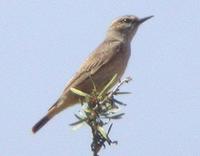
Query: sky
[43,43]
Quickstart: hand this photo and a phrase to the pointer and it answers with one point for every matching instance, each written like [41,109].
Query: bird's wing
[105,52]
[93,63]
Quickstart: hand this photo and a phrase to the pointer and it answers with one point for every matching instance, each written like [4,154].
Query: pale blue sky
[42,43]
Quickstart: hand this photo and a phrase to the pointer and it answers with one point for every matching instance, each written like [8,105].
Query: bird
[109,58]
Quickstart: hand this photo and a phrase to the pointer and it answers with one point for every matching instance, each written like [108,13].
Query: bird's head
[125,27]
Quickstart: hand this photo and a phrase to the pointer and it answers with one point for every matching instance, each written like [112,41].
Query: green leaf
[114,110]
[78,117]
[109,129]
[117,116]
[119,102]
[77,126]
[77,122]
[108,86]
[94,86]
[79,92]
[87,110]
[117,93]
[102,131]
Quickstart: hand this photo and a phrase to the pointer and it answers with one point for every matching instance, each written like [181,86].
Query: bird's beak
[142,20]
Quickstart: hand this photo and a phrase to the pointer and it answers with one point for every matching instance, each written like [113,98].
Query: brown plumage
[109,58]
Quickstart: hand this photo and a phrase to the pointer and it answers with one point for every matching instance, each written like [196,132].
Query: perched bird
[109,58]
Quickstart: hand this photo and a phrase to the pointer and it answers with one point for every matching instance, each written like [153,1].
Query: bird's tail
[51,113]
[55,109]
[41,123]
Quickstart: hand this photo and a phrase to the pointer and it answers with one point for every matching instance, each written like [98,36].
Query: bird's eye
[126,20]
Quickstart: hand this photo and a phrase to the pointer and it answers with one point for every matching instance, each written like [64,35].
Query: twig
[99,107]
[116,89]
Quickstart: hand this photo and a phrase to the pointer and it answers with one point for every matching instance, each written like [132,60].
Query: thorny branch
[98,109]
